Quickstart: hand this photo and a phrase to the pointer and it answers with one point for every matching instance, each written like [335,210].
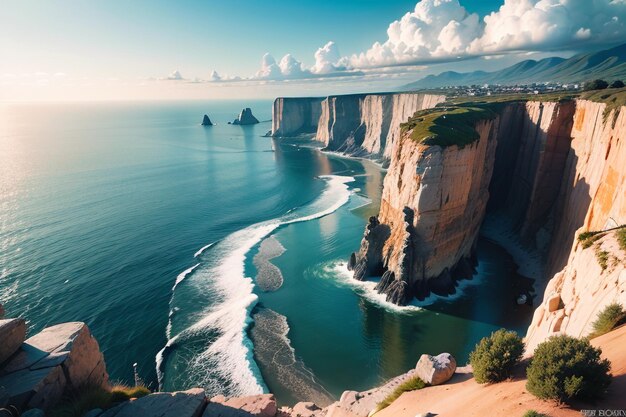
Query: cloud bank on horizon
[443,30]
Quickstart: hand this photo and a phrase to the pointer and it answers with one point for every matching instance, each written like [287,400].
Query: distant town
[532,88]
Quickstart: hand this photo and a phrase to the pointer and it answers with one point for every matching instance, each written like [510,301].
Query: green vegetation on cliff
[564,367]
[411,384]
[614,98]
[496,355]
[454,122]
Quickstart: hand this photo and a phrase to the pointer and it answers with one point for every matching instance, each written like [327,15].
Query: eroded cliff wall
[294,116]
[592,198]
[435,199]
[368,124]
[363,125]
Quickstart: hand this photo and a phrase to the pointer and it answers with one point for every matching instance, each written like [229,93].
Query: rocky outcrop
[162,404]
[245,118]
[295,116]
[433,203]
[364,125]
[12,335]
[435,370]
[206,121]
[56,360]
[255,405]
[575,295]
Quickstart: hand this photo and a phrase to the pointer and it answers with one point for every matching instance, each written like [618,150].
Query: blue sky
[107,43]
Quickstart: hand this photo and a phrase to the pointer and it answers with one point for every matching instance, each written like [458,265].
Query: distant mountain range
[609,65]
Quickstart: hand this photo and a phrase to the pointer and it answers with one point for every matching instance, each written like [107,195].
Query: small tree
[564,367]
[617,84]
[495,356]
[596,85]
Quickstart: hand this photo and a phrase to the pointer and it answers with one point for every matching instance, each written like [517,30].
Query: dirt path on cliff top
[462,396]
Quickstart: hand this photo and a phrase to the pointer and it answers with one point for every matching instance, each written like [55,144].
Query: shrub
[612,316]
[617,84]
[564,367]
[596,85]
[603,258]
[533,413]
[411,384]
[495,356]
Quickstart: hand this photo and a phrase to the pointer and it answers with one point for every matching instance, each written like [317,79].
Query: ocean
[214,256]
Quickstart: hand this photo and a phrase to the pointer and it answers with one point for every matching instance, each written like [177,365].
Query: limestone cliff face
[592,198]
[575,295]
[294,116]
[533,146]
[593,195]
[356,124]
[368,124]
[435,199]
[433,203]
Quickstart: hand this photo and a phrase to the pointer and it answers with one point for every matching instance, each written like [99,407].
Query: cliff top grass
[411,384]
[447,125]
[453,122]
[614,98]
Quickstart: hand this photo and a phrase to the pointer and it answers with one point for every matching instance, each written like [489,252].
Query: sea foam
[227,365]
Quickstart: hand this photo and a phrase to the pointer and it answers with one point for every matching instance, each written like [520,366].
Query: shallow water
[135,219]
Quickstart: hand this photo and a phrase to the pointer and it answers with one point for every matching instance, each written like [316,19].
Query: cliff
[365,125]
[550,167]
[592,198]
[295,116]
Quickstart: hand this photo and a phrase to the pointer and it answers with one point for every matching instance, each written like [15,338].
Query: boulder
[206,121]
[12,335]
[263,405]
[162,404]
[435,370]
[246,118]
[59,358]
[554,302]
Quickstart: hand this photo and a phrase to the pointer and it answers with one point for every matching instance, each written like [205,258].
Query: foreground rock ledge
[59,358]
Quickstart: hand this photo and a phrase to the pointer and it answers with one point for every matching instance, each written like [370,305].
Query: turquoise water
[135,219]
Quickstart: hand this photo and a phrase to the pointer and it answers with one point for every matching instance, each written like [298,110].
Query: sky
[124,50]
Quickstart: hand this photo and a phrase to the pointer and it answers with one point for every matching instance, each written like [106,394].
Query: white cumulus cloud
[443,29]
[328,60]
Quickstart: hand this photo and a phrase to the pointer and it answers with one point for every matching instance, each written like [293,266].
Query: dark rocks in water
[397,292]
[463,270]
[368,262]
[442,285]
[206,121]
[246,118]
[352,262]
[385,281]
[268,134]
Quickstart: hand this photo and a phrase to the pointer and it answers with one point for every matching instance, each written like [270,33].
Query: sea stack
[206,121]
[246,118]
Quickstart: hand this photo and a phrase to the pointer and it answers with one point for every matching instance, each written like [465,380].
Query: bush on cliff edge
[612,316]
[495,356]
[564,367]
